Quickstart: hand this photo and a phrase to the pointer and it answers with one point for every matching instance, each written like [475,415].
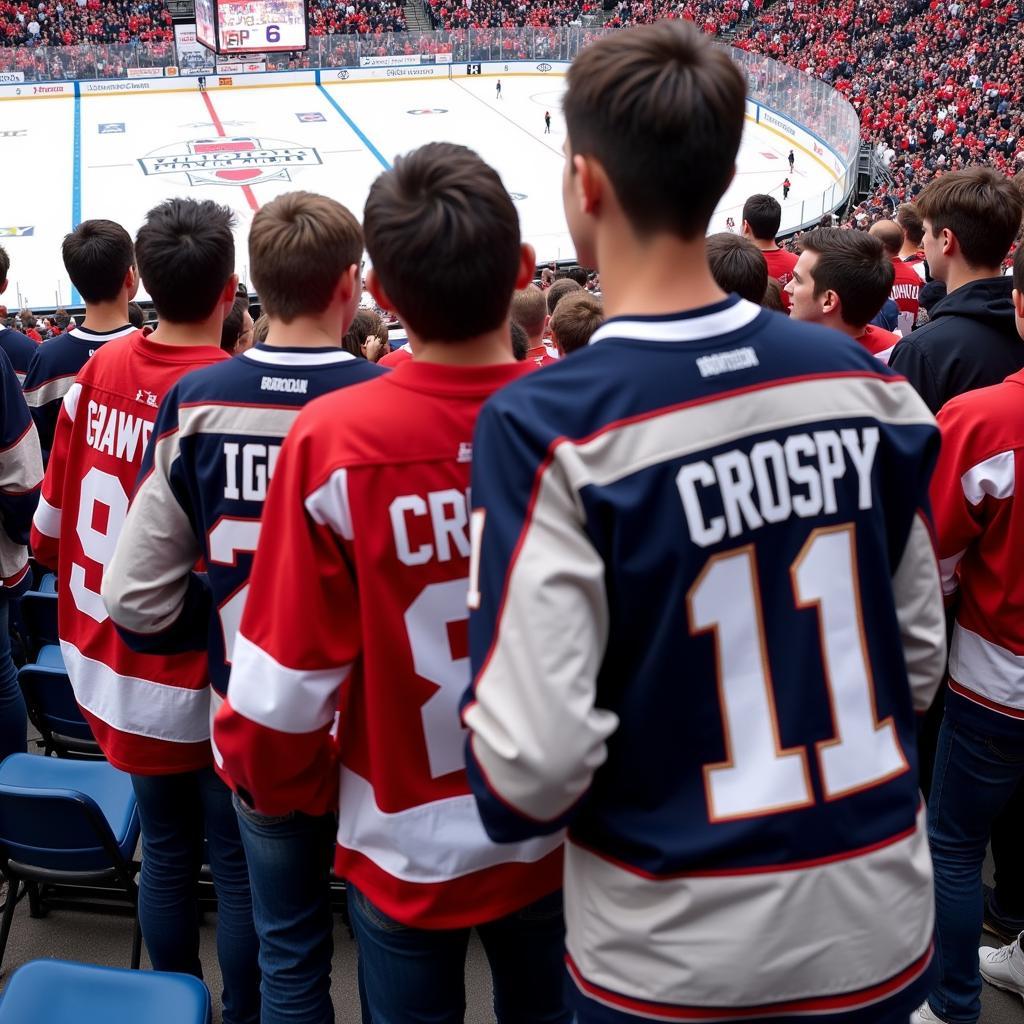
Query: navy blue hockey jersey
[52,371]
[19,349]
[707,605]
[200,496]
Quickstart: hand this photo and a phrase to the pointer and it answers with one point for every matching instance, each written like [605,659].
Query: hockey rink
[118,155]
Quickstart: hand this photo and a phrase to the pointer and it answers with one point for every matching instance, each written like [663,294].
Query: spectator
[773,296]
[260,329]
[841,280]
[617,587]
[150,713]
[906,289]
[367,338]
[762,216]
[99,258]
[21,469]
[376,620]
[575,321]
[16,346]
[304,255]
[980,762]
[738,266]
[913,236]
[971,219]
[136,316]
[236,332]
[560,288]
[520,341]
[529,310]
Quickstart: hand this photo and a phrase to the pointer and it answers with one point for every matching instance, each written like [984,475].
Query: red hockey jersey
[149,713]
[362,596]
[980,526]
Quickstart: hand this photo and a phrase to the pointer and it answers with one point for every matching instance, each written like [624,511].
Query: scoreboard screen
[252,26]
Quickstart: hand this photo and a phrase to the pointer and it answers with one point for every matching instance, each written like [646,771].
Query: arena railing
[802,109]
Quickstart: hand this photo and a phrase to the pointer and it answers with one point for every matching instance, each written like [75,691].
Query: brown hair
[444,238]
[981,207]
[562,287]
[890,234]
[575,320]
[772,298]
[908,218]
[261,329]
[300,246]
[365,323]
[231,329]
[852,264]
[529,310]
[737,265]
[661,108]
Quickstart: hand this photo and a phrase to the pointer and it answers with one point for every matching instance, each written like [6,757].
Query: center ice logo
[243,160]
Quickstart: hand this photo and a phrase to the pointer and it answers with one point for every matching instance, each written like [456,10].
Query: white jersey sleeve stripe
[47,519]
[994,477]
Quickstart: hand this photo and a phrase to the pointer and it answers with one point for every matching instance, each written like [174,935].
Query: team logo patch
[112,128]
[244,160]
[429,110]
[543,67]
[311,117]
[17,232]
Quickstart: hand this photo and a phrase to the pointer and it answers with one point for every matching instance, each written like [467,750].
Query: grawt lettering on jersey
[115,432]
[804,475]
[432,527]
[292,385]
[248,468]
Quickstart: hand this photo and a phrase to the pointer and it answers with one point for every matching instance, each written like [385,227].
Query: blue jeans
[13,716]
[975,776]
[414,976]
[176,811]
[289,865]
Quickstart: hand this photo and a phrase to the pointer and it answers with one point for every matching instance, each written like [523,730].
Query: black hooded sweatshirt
[971,342]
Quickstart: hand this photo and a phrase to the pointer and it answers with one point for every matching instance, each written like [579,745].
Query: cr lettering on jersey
[293,385]
[738,491]
[117,433]
[440,522]
[248,468]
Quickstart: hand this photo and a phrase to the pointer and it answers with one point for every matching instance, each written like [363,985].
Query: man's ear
[527,265]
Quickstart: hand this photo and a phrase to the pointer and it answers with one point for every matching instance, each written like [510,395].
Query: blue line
[348,120]
[76,179]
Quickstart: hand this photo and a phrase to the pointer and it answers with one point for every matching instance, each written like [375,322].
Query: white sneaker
[1003,967]
[924,1014]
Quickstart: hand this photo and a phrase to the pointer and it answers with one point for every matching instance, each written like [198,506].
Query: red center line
[247,191]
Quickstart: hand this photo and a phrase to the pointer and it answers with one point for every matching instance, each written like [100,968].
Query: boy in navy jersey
[707,602]
[100,260]
[200,496]
[18,348]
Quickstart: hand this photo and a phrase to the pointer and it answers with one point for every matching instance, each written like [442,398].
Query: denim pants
[415,976]
[289,866]
[975,776]
[176,811]
[13,716]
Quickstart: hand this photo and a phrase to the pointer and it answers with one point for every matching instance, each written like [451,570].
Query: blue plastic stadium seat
[56,992]
[52,706]
[50,657]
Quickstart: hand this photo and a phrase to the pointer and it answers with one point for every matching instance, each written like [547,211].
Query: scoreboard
[252,26]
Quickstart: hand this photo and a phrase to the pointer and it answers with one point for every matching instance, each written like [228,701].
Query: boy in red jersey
[367,519]
[762,216]
[150,713]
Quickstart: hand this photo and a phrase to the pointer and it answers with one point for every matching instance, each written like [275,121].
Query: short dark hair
[186,254]
[980,206]
[852,264]
[520,342]
[97,256]
[662,109]
[5,264]
[231,329]
[558,291]
[443,235]
[764,215]
[737,265]
[908,218]
[577,274]
[364,323]
[136,315]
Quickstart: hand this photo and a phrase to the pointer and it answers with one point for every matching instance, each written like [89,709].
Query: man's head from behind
[186,257]
[305,254]
[577,317]
[5,269]
[1018,288]
[444,238]
[890,234]
[530,311]
[909,220]
[737,265]
[654,117]
[841,279]
[100,260]
[970,219]
[762,216]
[558,291]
